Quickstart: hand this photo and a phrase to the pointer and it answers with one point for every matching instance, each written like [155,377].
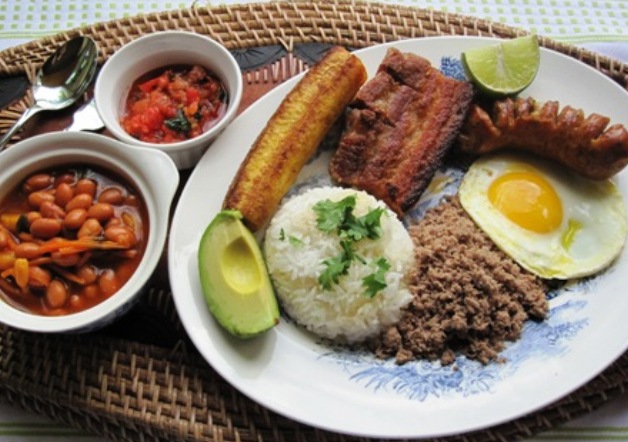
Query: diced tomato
[153,118]
[178,84]
[164,103]
[149,85]
[154,100]
[140,106]
[160,82]
[192,96]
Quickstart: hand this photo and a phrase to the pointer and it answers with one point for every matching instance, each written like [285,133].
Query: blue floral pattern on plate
[423,379]
[420,380]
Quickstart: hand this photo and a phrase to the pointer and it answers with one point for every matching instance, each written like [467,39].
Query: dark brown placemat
[141,379]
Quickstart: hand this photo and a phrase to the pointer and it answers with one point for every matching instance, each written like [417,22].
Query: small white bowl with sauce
[152,179]
[155,52]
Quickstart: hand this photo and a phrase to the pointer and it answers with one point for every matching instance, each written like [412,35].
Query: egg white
[596,205]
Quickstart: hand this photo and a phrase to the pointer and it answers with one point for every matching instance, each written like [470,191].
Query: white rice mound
[295,249]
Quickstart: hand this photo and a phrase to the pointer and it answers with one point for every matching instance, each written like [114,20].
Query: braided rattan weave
[141,379]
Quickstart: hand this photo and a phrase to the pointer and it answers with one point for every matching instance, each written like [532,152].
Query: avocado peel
[234,279]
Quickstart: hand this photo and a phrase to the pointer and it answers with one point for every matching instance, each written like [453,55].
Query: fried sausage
[585,144]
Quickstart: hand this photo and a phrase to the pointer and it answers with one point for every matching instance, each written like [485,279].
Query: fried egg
[552,222]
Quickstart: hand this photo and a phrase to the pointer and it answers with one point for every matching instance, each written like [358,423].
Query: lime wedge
[505,68]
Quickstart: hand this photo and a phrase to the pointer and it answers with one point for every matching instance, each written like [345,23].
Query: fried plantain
[292,135]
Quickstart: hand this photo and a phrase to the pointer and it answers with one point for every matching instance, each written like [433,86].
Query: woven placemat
[141,379]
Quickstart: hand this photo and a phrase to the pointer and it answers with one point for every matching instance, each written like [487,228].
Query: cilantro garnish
[367,226]
[376,281]
[179,123]
[295,241]
[292,239]
[336,266]
[337,217]
[332,215]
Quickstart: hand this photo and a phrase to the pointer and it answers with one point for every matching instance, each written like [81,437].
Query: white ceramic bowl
[150,171]
[158,50]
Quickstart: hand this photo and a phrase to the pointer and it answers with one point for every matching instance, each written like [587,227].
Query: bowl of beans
[173,91]
[83,223]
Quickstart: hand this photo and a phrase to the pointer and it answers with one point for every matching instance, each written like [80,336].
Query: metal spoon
[63,79]
[86,118]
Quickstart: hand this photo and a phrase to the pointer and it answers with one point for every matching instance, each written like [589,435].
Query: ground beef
[469,297]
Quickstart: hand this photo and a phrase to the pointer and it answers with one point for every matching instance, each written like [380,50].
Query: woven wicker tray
[141,379]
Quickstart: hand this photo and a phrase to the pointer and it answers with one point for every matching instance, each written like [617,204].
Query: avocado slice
[234,279]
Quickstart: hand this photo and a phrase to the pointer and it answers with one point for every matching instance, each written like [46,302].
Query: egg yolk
[528,200]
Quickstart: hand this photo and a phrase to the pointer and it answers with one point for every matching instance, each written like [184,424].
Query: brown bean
[49,209]
[36,182]
[80,201]
[85,186]
[108,283]
[88,274]
[120,235]
[91,291]
[32,216]
[101,211]
[76,302]
[132,201]
[56,294]
[111,195]
[45,228]
[38,278]
[68,178]
[74,219]
[66,259]
[91,228]
[113,222]
[63,194]
[28,250]
[35,199]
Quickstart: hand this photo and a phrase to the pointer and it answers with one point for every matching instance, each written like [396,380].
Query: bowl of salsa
[173,91]
[83,222]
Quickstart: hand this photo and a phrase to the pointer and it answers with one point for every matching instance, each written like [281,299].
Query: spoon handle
[29,112]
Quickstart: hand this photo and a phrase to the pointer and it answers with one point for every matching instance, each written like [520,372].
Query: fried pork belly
[398,128]
[585,144]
